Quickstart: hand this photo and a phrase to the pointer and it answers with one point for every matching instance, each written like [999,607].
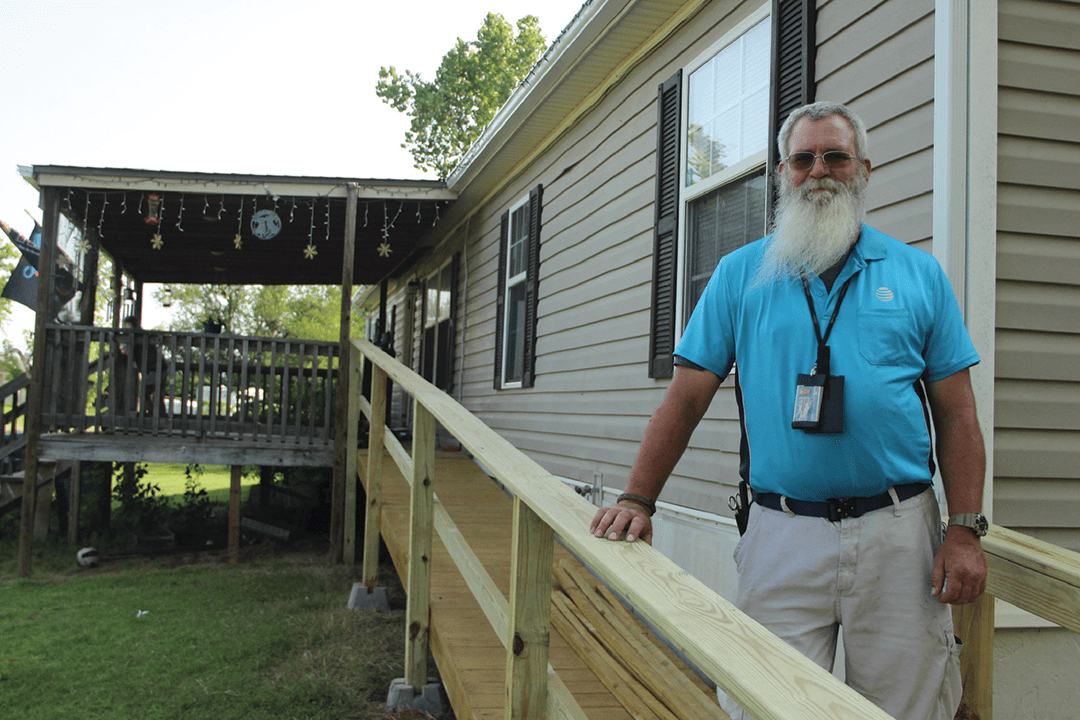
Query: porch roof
[201,215]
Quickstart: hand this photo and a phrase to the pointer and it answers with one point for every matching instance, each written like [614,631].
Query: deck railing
[761,672]
[13,396]
[189,384]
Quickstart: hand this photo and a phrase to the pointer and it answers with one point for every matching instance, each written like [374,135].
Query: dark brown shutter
[500,297]
[665,233]
[794,46]
[532,285]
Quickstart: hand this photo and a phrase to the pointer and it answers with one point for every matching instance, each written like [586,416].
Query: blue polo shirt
[899,322]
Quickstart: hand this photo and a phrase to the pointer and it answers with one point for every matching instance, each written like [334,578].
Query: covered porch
[101,392]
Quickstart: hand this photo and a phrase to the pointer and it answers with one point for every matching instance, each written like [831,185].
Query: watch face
[265,224]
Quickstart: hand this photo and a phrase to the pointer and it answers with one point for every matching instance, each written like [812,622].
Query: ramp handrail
[760,671]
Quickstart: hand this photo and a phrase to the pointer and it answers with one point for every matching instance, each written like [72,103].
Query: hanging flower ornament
[157,241]
[385,250]
[238,241]
[310,252]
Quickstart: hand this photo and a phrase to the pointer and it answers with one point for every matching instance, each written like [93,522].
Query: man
[832,325]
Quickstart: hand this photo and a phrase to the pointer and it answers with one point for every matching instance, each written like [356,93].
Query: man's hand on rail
[632,519]
[959,575]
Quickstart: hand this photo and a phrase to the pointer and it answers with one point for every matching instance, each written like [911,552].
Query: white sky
[273,87]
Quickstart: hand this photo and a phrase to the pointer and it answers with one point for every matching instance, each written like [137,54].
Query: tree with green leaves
[309,312]
[473,81]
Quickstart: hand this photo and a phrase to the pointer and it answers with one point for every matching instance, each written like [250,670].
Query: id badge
[809,396]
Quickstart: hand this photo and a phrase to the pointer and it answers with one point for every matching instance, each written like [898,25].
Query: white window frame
[736,171]
[433,284]
[512,281]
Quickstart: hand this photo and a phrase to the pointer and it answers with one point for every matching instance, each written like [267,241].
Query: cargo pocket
[951,685]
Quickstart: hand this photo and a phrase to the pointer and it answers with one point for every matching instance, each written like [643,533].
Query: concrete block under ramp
[363,598]
[403,696]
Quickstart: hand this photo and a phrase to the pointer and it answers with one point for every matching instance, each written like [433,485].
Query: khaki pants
[802,577]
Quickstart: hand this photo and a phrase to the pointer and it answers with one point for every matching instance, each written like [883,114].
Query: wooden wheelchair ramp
[470,656]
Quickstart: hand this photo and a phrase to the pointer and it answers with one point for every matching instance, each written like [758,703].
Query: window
[727,126]
[439,312]
[519,261]
[716,124]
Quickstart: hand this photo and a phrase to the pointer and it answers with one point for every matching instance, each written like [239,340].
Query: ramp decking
[470,657]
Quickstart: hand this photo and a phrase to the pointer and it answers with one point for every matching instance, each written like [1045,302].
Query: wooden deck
[207,449]
[470,657]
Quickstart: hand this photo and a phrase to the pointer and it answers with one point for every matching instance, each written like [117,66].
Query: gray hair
[820,111]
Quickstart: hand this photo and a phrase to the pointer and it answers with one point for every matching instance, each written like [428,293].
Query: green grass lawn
[171,478]
[161,639]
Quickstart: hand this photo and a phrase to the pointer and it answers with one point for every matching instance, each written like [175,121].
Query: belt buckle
[840,508]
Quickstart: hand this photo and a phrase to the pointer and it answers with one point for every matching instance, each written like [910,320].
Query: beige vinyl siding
[1037,393]
[878,58]
[592,396]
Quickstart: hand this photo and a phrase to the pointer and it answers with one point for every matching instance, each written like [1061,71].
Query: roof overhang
[202,215]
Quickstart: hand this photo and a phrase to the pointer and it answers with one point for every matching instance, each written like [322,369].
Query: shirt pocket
[884,335]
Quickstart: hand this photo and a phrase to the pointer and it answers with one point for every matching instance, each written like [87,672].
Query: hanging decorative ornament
[385,250]
[101,220]
[238,241]
[310,252]
[265,224]
[157,241]
[239,220]
[328,219]
[180,218]
[153,212]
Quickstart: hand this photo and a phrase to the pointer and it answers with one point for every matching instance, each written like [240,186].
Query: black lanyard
[822,365]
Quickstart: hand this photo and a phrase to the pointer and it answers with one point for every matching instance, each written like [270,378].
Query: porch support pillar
[90,278]
[234,513]
[117,292]
[34,399]
[341,410]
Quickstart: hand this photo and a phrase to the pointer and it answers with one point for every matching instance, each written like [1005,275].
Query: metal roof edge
[233,183]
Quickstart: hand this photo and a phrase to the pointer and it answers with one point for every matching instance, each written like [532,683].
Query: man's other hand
[612,522]
[960,566]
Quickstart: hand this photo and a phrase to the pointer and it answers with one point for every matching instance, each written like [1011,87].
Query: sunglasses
[833,159]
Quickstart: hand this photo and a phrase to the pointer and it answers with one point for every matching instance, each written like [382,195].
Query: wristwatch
[975,522]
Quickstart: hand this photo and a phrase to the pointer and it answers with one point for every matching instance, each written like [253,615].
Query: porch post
[117,292]
[34,398]
[138,309]
[90,279]
[234,513]
[341,413]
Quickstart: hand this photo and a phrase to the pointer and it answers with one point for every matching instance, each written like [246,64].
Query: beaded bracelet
[640,500]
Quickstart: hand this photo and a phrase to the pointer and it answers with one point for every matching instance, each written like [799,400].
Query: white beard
[813,231]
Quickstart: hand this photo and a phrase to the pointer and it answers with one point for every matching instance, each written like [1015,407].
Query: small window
[519,261]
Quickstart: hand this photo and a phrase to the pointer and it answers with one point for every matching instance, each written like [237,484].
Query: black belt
[837,509]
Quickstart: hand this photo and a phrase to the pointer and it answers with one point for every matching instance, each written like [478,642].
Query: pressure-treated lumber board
[642,659]
[530,609]
[769,678]
[463,640]
[421,526]
[1036,576]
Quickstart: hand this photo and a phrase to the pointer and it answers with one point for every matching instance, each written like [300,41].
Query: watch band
[975,522]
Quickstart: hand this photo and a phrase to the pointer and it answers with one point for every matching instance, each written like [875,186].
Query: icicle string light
[327,219]
[180,217]
[101,220]
[221,207]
